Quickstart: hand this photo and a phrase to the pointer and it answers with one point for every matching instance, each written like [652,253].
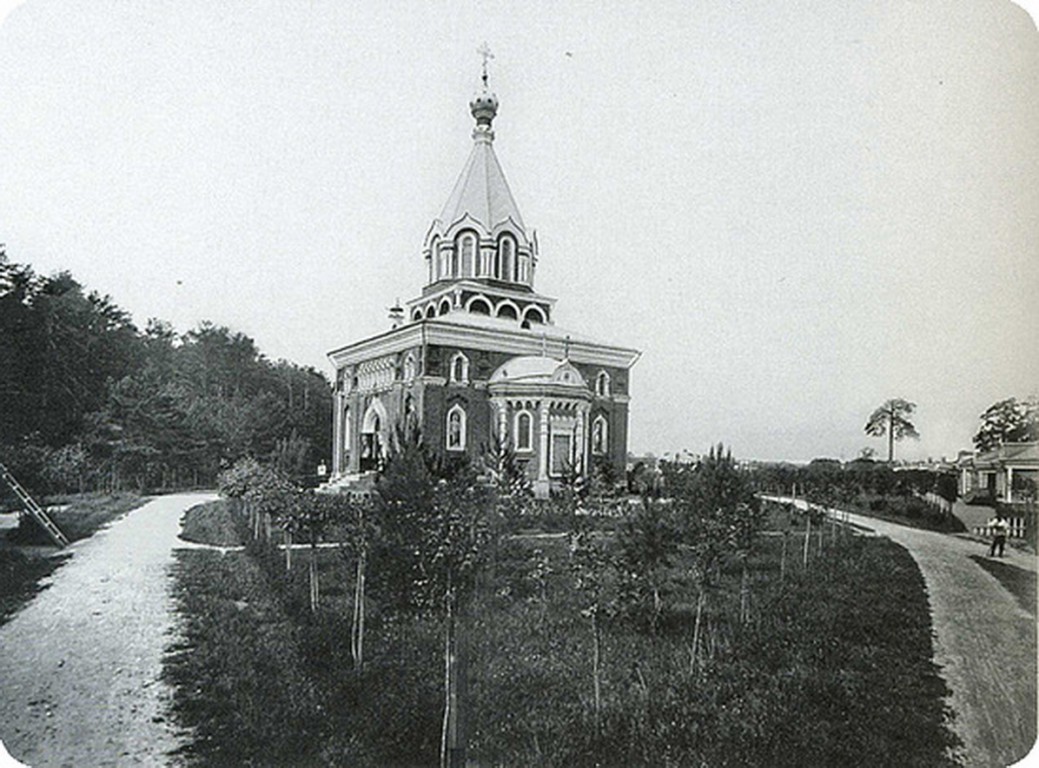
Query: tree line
[88,401]
[1006,421]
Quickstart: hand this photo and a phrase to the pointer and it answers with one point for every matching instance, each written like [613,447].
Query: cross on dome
[485,52]
[484,105]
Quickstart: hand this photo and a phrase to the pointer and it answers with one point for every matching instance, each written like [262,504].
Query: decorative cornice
[518,342]
[388,342]
[523,342]
[477,287]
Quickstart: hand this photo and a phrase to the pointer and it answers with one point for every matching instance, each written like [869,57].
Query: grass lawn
[83,516]
[833,667]
[26,556]
[237,672]
[20,577]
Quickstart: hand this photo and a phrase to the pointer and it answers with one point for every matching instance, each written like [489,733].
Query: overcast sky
[795,210]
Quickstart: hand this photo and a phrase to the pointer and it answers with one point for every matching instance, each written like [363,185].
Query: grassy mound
[210,523]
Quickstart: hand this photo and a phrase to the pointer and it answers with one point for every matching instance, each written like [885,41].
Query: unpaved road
[985,641]
[80,664]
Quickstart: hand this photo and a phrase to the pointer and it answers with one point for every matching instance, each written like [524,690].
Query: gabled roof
[1016,453]
[481,191]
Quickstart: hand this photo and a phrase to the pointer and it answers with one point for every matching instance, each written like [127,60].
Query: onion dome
[484,107]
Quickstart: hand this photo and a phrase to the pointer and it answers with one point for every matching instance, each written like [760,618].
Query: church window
[445,306]
[456,428]
[467,245]
[600,435]
[460,369]
[523,269]
[479,306]
[507,310]
[454,263]
[434,250]
[602,384]
[506,252]
[431,311]
[410,419]
[524,431]
[443,264]
[533,315]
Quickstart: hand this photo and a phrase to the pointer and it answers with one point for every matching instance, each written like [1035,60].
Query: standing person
[999,528]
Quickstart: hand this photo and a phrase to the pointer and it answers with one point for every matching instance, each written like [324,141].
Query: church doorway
[373,442]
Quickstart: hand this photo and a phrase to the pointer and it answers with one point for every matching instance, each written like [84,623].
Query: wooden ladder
[34,509]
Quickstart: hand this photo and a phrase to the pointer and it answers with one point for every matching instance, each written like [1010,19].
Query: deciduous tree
[892,419]
[1008,421]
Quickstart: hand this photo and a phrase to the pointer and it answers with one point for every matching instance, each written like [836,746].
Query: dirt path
[985,640]
[80,665]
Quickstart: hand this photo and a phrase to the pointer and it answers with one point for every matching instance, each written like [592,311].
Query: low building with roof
[1009,473]
[477,356]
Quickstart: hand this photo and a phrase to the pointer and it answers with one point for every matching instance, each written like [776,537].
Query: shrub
[211,523]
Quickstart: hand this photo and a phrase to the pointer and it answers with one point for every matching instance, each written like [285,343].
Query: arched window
[479,306]
[602,384]
[410,419]
[460,369]
[507,310]
[416,315]
[455,431]
[467,246]
[431,311]
[524,431]
[445,306]
[533,315]
[600,435]
[454,263]
[434,249]
[523,269]
[443,262]
[507,261]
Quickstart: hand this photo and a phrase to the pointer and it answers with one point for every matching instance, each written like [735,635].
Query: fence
[1018,526]
[938,502]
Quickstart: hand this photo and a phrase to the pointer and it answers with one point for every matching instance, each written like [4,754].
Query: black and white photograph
[489,384]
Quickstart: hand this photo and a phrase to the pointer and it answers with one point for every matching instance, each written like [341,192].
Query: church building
[477,355]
